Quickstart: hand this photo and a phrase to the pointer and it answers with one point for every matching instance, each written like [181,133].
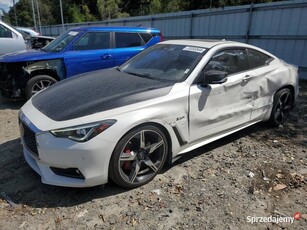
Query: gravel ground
[256,172]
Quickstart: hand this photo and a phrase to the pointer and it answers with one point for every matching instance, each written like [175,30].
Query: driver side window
[230,61]
[93,41]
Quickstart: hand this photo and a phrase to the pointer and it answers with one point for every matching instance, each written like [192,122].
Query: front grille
[29,139]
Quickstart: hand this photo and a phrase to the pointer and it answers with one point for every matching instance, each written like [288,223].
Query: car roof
[117,28]
[206,43]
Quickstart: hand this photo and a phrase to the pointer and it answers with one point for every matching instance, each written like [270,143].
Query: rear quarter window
[257,58]
[146,37]
[124,40]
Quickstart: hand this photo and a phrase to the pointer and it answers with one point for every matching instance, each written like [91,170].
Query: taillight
[161,37]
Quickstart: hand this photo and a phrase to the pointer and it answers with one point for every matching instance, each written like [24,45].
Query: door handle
[105,56]
[247,77]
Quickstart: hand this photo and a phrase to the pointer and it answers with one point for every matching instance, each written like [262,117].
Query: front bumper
[91,159]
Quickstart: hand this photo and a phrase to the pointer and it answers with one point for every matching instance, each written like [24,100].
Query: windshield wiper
[132,73]
[141,75]
[147,75]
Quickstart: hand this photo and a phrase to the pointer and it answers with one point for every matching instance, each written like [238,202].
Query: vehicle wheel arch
[124,174]
[162,128]
[47,72]
[32,86]
[281,107]
[292,90]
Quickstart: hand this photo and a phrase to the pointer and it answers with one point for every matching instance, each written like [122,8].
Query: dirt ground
[257,172]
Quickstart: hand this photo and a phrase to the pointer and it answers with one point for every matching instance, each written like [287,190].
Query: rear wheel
[38,83]
[138,157]
[283,101]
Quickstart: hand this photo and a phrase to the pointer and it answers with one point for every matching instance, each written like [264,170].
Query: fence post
[191,25]
[249,21]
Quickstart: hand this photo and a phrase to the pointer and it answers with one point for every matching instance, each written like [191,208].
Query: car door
[126,45]
[91,52]
[10,41]
[218,108]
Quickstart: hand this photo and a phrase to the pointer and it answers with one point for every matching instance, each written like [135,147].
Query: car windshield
[165,62]
[61,41]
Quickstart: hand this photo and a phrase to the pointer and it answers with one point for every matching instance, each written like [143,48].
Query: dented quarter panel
[266,82]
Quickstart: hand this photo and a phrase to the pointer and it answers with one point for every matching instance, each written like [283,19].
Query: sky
[5,4]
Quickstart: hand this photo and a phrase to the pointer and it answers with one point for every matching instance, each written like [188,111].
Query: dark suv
[76,51]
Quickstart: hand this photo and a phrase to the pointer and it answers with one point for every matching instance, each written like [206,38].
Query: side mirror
[213,77]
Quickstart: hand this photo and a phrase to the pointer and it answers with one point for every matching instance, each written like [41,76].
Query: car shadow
[206,149]
[8,103]
[23,185]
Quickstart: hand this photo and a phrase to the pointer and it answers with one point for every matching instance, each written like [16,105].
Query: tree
[74,14]
[155,7]
[109,9]
[89,10]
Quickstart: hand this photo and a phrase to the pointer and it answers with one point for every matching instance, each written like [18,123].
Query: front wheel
[138,157]
[38,83]
[283,101]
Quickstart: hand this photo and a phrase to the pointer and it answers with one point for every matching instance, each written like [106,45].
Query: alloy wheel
[142,156]
[283,107]
[40,85]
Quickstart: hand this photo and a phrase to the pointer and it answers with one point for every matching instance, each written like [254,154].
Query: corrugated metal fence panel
[279,27]
[282,30]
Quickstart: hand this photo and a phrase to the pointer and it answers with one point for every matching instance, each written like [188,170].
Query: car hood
[95,92]
[29,55]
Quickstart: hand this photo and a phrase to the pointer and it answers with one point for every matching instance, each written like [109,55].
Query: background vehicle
[39,42]
[173,97]
[76,51]
[27,31]
[33,39]
[10,39]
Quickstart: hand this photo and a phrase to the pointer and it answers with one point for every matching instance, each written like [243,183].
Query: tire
[135,162]
[38,83]
[282,105]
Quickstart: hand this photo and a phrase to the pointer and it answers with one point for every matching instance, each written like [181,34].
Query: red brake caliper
[126,164]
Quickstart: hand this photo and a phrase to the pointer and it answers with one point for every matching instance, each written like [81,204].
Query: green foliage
[74,14]
[109,9]
[155,7]
[92,10]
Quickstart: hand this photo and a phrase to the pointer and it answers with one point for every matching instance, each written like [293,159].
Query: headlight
[83,133]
